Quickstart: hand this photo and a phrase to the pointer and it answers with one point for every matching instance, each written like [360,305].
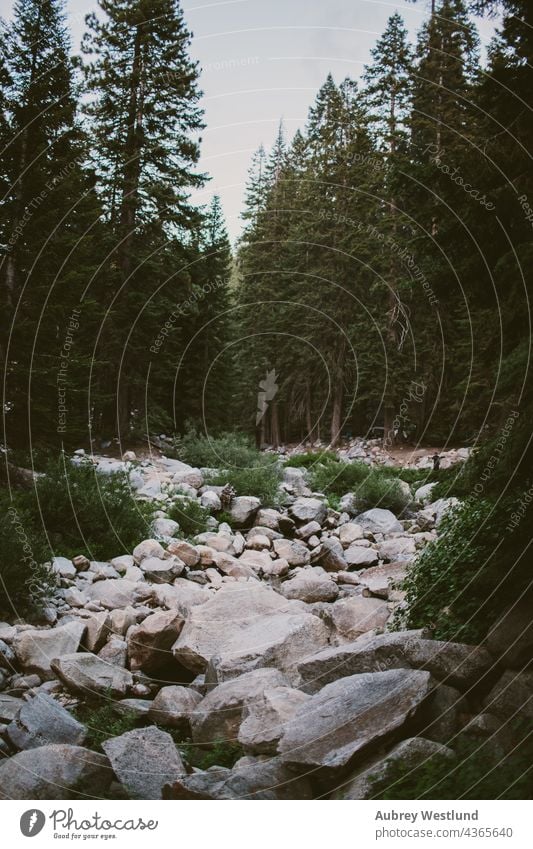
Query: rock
[264,719]
[137,708]
[408,754]
[80,563]
[165,529]
[349,533]
[348,504]
[63,567]
[7,656]
[510,639]
[98,627]
[308,510]
[35,649]
[310,585]
[211,501]
[308,530]
[89,675]
[229,565]
[512,694]
[331,555]
[358,557]
[332,728]
[147,548]
[212,625]
[268,518]
[129,456]
[186,552]
[382,580]
[182,596]
[453,663]
[218,716]
[115,652]
[258,542]
[379,521]
[144,760]
[243,509]
[150,643]
[294,553]
[255,779]
[121,620]
[423,493]
[53,772]
[113,594]
[162,571]
[191,477]
[173,706]
[400,548]
[443,715]
[354,616]
[41,721]
[9,707]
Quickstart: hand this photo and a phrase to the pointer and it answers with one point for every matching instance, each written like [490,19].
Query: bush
[72,510]
[310,458]
[221,753]
[190,516]
[372,487]
[464,580]
[103,722]
[470,776]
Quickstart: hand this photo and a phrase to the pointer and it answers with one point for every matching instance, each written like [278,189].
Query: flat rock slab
[379,521]
[264,719]
[144,760]
[112,593]
[90,675]
[354,616]
[41,721]
[349,715]
[52,772]
[454,663]
[36,649]
[9,707]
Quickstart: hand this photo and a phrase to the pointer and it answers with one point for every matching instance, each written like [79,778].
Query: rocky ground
[269,635]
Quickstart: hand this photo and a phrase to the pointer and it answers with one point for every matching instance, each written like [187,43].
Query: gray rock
[218,716]
[512,694]
[173,706]
[423,493]
[310,585]
[138,708]
[409,754]
[98,627]
[147,548]
[379,521]
[150,643]
[331,555]
[186,552]
[510,639]
[453,663]
[162,570]
[35,649]
[295,553]
[399,548]
[9,707]
[349,533]
[255,779]
[89,675]
[308,510]
[382,580]
[354,616]
[63,567]
[144,760]
[268,518]
[52,772]
[113,594]
[335,726]
[264,718]
[243,509]
[41,721]
[358,557]
[115,652]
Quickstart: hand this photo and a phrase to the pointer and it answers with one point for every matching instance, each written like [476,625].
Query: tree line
[382,280]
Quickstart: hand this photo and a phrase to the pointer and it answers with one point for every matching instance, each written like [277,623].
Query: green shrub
[220,753]
[470,776]
[261,481]
[103,722]
[310,458]
[372,487]
[335,477]
[190,516]
[459,584]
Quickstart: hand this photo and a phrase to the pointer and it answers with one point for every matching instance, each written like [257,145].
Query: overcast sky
[265,59]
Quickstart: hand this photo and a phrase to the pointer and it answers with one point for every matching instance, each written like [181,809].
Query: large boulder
[349,533]
[147,548]
[43,720]
[91,676]
[379,521]
[98,628]
[331,555]
[354,616]
[382,580]
[113,593]
[35,649]
[173,706]
[144,760]
[308,510]
[398,548]
[219,714]
[264,718]
[251,778]
[310,585]
[510,639]
[408,754]
[243,509]
[162,570]
[293,552]
[512,695]
[150,643]
[453,663]
[186,552]
[212,626]
[9,707]
[182,595]
[53,772]
[330,730]
[357,557]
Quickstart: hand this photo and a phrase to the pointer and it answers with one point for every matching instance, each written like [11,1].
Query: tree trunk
[274,424]
[336,414]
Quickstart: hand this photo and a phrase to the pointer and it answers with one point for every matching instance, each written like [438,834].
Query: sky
[264,60]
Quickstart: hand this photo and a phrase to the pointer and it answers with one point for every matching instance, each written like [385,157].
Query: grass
[372,487]
[103,722]
[220,753]
[190,516]
[310,458]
